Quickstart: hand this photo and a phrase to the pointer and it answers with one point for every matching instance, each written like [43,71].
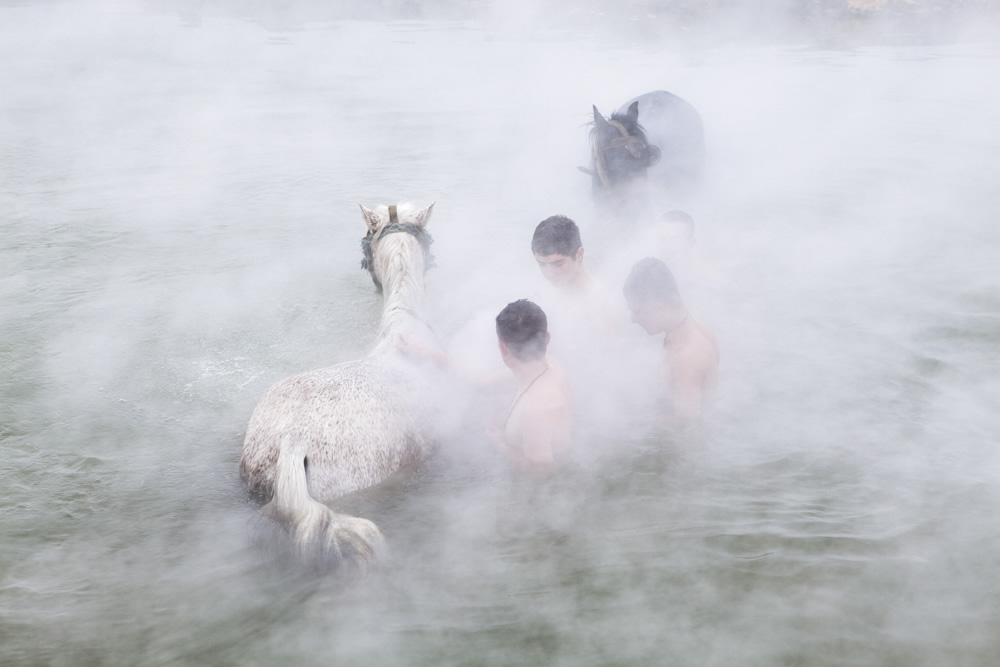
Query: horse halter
[394,226]
[632,143]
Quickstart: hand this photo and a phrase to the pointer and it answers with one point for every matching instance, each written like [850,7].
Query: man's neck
[579,283]
[678,328]
[525,372]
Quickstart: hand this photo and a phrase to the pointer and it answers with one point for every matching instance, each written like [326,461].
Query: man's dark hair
[557,235]
[522,326]
[651,280]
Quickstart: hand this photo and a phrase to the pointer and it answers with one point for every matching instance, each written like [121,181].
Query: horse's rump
[355,419]
[674,126]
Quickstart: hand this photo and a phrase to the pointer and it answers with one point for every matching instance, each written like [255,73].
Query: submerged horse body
[649,153]
[327,433]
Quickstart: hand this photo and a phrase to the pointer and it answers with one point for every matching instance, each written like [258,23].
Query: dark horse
[657,163]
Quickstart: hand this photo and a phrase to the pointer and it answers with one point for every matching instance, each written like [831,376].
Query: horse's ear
[599,120]
[633,112]
[371,218]
[421,217]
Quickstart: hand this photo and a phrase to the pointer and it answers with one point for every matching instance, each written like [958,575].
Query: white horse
[321,435]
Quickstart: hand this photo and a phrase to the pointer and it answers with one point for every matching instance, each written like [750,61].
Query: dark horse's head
[620,153]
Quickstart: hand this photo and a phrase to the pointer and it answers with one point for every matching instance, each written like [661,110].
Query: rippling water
[178,208]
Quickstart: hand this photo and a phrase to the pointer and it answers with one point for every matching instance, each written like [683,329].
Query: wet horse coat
[320,435]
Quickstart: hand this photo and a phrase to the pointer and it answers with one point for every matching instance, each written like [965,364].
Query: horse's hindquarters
[675,127]
[353,422]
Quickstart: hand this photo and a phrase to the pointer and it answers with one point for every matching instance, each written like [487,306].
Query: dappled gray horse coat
[320,435]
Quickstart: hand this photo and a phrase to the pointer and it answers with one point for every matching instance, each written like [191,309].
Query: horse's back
[354,418]
[674,126]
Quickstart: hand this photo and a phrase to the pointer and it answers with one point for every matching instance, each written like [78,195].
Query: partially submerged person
[559,253]
[537,429]
[672,239]
[535,433]
[586,320]
[690,360]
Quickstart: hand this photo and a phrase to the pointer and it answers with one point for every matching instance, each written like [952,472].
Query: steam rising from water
[178,198]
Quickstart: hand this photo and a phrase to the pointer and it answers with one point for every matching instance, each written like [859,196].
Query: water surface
[178,209]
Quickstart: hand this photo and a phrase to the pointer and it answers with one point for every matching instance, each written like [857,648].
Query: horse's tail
[319,535]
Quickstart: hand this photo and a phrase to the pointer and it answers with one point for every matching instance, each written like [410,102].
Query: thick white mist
[178,196]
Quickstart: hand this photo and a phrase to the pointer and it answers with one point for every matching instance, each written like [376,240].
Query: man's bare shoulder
[551,394]
[540,426]
[599,294]
[708,336]
[698,354]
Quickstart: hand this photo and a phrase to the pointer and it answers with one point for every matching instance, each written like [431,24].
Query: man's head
[523,331]
[558,250]
[674,237]
[652,295]
[678,224]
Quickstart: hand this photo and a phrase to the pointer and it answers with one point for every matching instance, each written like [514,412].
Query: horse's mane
[397,255]
[394,247]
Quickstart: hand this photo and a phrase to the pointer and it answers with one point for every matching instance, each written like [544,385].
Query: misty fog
[178,201]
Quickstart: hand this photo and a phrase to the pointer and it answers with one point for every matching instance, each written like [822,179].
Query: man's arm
[412,348]
[687,400]
[688,387]
[483,382]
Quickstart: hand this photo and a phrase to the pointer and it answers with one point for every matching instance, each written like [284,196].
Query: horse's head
[620,152]
[381,241]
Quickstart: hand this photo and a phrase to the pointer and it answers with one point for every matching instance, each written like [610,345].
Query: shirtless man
[587,322]
[690,351]
[581,305]
[674,242]
[559,252]
[536,432]
[672,239]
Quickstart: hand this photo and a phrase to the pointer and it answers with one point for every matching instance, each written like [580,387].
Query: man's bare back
[537,431]
[691,365]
